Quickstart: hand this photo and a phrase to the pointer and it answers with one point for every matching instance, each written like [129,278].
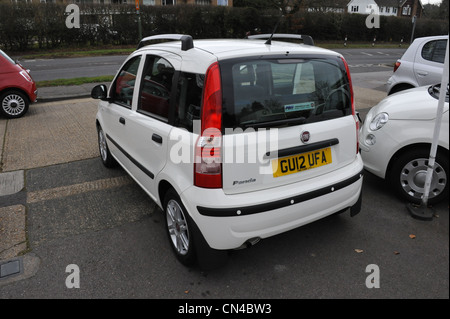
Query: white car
[236,140]
[396,138]
[422,64]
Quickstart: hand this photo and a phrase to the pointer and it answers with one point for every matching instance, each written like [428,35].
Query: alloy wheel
[177,226]
[13,104]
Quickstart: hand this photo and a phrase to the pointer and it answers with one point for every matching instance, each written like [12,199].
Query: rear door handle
[122,120]
[157,138]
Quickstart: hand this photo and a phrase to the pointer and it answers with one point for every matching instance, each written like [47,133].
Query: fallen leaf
[412,236]
[359,251]
[396,252]
[186,291]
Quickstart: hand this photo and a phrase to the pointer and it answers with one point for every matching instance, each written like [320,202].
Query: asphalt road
[80,214]
[371,60]
[116,237]
[359,60]
[68,68]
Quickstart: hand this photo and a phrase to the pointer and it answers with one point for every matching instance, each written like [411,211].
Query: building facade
[398,8]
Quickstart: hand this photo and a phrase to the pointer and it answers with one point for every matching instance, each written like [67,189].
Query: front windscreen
[3,54]
[265,92]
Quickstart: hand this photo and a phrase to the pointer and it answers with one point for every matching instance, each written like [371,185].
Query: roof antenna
[269,41]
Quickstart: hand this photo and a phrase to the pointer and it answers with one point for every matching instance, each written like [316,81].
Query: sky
[431,1]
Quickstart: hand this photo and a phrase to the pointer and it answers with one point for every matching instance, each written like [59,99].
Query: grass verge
[75,81]
[76,53]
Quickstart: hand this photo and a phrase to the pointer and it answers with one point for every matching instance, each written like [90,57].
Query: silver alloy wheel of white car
[102,145]
[14,104]
[177,226]
[412,178]
[105,154]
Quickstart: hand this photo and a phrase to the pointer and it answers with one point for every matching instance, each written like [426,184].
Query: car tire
[186,239]
[408,173]
[13,104]
[179,227]
[105,154]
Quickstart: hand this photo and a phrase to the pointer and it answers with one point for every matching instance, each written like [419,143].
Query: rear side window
[282,92]
[189,99]
[434,51]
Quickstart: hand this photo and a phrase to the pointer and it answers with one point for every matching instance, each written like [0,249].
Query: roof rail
[306,38]
[187,42]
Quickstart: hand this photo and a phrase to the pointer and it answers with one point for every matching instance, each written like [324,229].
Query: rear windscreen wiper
[292,121]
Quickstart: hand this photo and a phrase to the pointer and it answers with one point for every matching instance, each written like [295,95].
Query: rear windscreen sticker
[299,107]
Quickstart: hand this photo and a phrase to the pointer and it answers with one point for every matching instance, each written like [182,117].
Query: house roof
[391,3]
[388,3]
[403,2]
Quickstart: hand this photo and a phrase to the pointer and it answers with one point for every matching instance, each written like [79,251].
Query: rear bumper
[228,221]
[279,204]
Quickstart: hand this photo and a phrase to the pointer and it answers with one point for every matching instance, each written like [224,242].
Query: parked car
[235,140]
[17,88]
[422,64]
[396,138]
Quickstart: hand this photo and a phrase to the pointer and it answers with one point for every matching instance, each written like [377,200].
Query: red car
[17,88]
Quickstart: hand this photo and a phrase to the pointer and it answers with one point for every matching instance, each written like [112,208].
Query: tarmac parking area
[61,207]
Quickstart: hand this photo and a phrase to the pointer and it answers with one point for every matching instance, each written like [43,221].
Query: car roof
[433,37]
[207,51]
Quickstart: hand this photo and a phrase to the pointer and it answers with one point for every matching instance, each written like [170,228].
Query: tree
[288,6]
[443,10]
[257,4]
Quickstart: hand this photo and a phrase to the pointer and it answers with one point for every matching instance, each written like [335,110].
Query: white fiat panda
[235,140]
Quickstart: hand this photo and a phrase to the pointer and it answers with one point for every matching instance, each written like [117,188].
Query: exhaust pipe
[251,242]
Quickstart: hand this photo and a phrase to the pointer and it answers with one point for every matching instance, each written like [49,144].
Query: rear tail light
[208,157]
[397,65]
[347,70]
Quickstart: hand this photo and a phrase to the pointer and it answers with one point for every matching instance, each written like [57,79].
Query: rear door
[286,120]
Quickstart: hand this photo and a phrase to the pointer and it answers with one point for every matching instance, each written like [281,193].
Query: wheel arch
[15,89]
[163,188]
[407,148]
[400,87]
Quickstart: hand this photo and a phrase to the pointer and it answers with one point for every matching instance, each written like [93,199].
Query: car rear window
[264,92]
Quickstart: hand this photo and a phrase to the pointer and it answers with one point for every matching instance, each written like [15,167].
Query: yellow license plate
[301,162]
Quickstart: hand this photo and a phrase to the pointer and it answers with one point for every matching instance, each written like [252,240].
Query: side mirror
[99,92]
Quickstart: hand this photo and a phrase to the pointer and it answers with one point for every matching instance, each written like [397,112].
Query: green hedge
[30,26]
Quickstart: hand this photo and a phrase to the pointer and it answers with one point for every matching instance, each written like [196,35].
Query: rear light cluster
[208,157]
[353,103]
[397,65]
